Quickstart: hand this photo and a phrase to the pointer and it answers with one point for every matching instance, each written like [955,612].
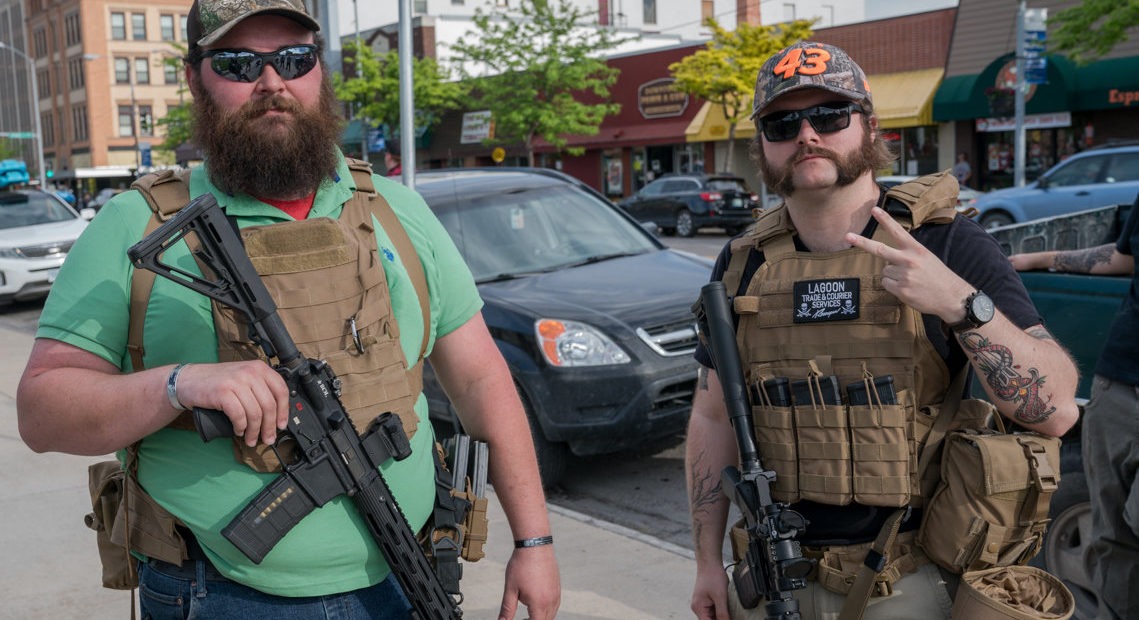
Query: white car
[36,231]
[965,197]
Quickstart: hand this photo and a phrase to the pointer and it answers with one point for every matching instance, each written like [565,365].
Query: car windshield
[537,230]
[19,209]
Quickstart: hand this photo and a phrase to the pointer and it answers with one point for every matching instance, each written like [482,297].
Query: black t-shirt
[1120,358]
[971,253]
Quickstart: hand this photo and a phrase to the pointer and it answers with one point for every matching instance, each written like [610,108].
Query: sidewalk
[52,568]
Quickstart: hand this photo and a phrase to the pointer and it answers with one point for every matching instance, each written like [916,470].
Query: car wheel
[1066,543]
[552,455]
[994,219]
[685,227]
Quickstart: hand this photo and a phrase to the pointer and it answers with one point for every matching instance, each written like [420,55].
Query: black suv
[591,312]
[684,203]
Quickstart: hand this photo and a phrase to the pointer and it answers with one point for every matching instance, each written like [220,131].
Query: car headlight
[570,343]
[10,253]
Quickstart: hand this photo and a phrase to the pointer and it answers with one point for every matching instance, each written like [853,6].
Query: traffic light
[50,173]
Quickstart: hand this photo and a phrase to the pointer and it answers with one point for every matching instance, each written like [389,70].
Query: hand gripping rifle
[774,563]
[332,458]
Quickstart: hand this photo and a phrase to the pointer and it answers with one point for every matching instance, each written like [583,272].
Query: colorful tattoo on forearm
[1006,381]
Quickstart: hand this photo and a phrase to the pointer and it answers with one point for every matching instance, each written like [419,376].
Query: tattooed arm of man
[1101,260]
[710,447]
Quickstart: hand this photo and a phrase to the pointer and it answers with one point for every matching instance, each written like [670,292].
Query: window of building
[169,74]
[126,121]
[788,12]
[119,26]
[138,26]
[145,121]
[707,10]
[166,25]
[457,2]
[79,123]
[650,11]
[827,16]
[141,70]
[43,83]
[39,40]
[122,71]
[182,28]
[47,127]
[72,29]
[420,6]
[75,73]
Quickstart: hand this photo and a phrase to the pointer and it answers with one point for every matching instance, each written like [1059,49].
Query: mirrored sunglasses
[825,118]
[238,65]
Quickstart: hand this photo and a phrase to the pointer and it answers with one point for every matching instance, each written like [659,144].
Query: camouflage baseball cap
[809,65]
[209,20]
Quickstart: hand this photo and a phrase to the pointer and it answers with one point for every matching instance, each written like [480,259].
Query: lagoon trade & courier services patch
[831,299]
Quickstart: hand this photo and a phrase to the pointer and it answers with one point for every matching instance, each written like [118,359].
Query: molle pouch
[991,506]
[880,447]
[474,527]
[825,470]
[773,419]
[106,481]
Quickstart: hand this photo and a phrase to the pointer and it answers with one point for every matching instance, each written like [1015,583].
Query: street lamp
[35,111]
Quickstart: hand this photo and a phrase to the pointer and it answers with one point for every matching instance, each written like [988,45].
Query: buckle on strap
[875,561]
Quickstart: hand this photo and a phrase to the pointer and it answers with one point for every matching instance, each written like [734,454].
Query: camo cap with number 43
[809,65]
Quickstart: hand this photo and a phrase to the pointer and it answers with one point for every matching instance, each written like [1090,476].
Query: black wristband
[534,542]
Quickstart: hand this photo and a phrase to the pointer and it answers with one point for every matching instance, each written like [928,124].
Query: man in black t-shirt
[817,144]
[1110,438]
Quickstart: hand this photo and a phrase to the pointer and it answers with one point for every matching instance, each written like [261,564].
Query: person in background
[268,123]
[1110,430]
[920,313]
[962,170]
[392,159]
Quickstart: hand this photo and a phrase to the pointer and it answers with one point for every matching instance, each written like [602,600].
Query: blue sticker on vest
[833,299]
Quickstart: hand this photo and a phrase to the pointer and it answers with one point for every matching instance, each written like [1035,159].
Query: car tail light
[711,196]
[755,197]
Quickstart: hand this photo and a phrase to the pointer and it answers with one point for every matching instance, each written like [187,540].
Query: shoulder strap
[931,198]
[362,175]
[770,223]
[166,192]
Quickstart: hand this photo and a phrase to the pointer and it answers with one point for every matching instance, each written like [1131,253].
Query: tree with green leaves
[374,89]
[724,72]
[530,69]
[9,149]
[1092,28]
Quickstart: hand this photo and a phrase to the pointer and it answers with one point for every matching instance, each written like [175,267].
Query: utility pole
[406,96]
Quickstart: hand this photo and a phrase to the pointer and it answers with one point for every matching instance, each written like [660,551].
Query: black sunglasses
[825,118]
[240,65]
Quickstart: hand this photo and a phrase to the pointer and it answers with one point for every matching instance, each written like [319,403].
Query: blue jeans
[167,597]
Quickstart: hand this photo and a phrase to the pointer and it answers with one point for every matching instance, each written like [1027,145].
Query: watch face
[982,308]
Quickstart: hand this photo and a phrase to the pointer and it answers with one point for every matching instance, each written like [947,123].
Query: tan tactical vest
[808,315]
[331,293]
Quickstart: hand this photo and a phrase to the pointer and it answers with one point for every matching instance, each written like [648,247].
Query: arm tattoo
[706,491]
[1006,381]
[1040,333]
[1082,261]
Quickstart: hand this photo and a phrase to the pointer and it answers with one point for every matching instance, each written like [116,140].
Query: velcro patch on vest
[832,299]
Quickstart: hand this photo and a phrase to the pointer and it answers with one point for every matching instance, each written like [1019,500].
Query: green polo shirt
[331,550]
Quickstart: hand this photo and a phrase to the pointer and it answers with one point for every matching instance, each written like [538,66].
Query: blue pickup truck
[1078,310]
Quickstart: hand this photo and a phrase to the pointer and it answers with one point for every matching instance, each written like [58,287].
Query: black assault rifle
[332,458]
[774,564]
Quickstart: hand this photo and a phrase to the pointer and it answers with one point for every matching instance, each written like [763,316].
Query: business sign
[661,99]
[477,126]
[1031,121]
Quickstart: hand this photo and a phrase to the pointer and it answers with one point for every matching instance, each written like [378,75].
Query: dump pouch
[122,512]
[1012,592]
[991,507]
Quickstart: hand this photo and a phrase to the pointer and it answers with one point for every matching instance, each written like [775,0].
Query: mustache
[808,150]
[276,103]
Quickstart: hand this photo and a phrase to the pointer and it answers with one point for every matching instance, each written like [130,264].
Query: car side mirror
[87,213]
[1042,183]
[652,227]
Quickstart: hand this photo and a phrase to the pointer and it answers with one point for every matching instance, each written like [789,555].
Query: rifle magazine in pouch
[475,527]
[151,528]
[775,440]
[991,506]
[825,470]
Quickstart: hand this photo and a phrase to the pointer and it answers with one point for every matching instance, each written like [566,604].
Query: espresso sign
[661,99]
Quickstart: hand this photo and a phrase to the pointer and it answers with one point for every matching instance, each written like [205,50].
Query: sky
[878,9]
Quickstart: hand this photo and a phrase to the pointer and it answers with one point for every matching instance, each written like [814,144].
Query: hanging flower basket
[1002,101]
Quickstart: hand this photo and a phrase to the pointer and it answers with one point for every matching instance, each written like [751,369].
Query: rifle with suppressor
[774,564]
[332,457]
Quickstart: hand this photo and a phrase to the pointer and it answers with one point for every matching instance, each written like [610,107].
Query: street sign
[18,135]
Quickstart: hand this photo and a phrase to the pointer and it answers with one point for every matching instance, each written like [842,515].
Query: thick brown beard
[245,158]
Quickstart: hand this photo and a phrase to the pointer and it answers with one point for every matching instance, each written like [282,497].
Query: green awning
[962,97]
[1107,84]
